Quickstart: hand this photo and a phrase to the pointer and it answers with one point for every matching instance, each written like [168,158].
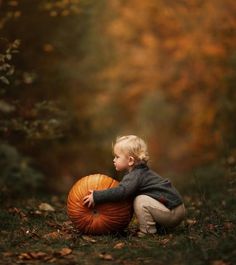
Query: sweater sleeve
[126,188]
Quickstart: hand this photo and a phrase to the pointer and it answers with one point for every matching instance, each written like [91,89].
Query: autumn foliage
[88,71]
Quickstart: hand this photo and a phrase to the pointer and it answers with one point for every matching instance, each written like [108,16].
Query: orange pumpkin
[103,218]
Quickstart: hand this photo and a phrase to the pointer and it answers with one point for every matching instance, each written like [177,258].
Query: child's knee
[140,205]
[141,200]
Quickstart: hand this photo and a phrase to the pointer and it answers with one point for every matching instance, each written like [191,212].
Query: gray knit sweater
[141,180]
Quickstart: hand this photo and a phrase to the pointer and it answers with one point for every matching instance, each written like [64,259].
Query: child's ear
[131,161]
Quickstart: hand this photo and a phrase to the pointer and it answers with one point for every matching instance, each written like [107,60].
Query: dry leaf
[15,210]
[211,227]
[65,251]
[165,241]
[23,216]
[24,256]
[8,254]
[67,224]
[67,236]
[52,260]
[119,245]
[37,255]
[46,207]
[105,256]
[52,235]
[228,225]
[32,255]
[53,224]
[191,221]
[89,239]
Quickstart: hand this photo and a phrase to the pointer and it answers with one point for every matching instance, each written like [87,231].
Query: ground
[31,233]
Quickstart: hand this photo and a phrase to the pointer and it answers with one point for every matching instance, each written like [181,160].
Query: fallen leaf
[23,216]
[53,224]
[52,260]
[191,221]
[15,210]
[67,223]
[67,236]
[89,239]
[165,241]
[33,255]
[37,255]
[67,226]
[119,245]
[8,254]
[105,256]
[65,251]
[24,256]
[211,227]
[52,235]
[228,225]
[46,207]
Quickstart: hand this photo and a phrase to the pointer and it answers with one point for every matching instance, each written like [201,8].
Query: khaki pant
[150,212]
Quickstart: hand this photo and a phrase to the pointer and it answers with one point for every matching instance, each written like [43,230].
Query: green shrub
[17,175]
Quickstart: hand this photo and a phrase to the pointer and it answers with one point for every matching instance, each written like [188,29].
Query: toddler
[156,202]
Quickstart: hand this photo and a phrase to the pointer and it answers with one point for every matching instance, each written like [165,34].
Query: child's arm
[127,188]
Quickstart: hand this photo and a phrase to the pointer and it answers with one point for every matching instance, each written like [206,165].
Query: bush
[17,174]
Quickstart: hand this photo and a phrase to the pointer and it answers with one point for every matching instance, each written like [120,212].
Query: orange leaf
[24,256]
[65,251]
[8,254]
[105,256]
[52,235]
[37,255]
[191,221]
[89,239]
[32,255]
[119,245]
[165,241]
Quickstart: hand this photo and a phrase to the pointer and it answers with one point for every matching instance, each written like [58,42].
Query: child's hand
[89,199]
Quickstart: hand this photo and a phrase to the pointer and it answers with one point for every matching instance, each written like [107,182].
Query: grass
[207,236]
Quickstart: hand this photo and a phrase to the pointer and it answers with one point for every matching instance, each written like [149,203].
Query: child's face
[122,161]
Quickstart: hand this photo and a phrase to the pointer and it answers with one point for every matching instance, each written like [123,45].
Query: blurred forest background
[75,74]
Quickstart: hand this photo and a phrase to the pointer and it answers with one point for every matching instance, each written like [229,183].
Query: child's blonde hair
[134,146]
